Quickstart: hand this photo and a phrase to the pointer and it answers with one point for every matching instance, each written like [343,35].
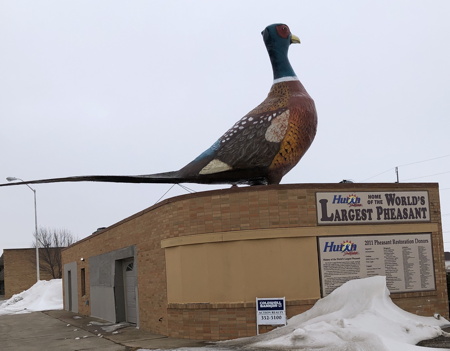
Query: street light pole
[11,179]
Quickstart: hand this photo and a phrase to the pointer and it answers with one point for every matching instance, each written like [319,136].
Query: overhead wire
[431,175]
[430,159]
[409,164]
[390,169]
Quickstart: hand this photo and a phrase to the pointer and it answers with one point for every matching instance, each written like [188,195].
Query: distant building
[19,270]
[447,261]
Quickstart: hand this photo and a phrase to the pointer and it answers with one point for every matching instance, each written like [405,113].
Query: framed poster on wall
[405,259]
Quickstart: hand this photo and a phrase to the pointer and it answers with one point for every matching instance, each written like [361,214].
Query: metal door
[129,276]
[69,288]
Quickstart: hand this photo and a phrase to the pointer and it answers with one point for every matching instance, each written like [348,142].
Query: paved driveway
[61,330]
[38,331]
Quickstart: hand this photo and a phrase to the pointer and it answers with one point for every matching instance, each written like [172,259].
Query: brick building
[192,266]
[19,271]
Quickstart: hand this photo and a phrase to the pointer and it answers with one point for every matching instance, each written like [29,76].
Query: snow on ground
[358,316]
[42,296]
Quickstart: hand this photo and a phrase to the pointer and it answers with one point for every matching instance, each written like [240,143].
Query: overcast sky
[139,87]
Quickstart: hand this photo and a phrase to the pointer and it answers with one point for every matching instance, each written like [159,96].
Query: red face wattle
[283,31]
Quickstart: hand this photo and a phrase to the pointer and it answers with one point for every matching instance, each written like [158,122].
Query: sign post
[270,311]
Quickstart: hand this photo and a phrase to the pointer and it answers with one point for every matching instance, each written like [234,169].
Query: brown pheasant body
[261,147]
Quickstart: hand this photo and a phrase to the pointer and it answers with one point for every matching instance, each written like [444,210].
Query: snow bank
[42,296]
[357,316]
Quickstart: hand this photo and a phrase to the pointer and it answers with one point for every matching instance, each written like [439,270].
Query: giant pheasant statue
[261,147]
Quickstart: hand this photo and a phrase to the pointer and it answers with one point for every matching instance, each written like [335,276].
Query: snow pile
[357,316]
[42,296]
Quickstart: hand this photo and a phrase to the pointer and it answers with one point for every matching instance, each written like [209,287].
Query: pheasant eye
[283,31]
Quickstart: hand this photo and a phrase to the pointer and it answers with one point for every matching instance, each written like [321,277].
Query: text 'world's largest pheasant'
[261,147]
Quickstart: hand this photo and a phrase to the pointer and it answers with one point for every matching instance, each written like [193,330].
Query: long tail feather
[169,177]
[249,177]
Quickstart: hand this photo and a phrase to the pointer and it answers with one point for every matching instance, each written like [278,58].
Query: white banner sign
[372,207]
[271,311]
[405,259]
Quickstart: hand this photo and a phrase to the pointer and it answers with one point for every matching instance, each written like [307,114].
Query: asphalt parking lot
[61,330]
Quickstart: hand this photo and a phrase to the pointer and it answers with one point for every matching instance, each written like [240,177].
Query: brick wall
[222,321]
[20,270]
[144,232]
[231,211]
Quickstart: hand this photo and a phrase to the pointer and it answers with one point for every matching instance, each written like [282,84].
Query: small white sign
[271,311]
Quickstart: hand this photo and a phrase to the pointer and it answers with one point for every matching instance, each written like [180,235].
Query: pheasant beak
[295,39]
